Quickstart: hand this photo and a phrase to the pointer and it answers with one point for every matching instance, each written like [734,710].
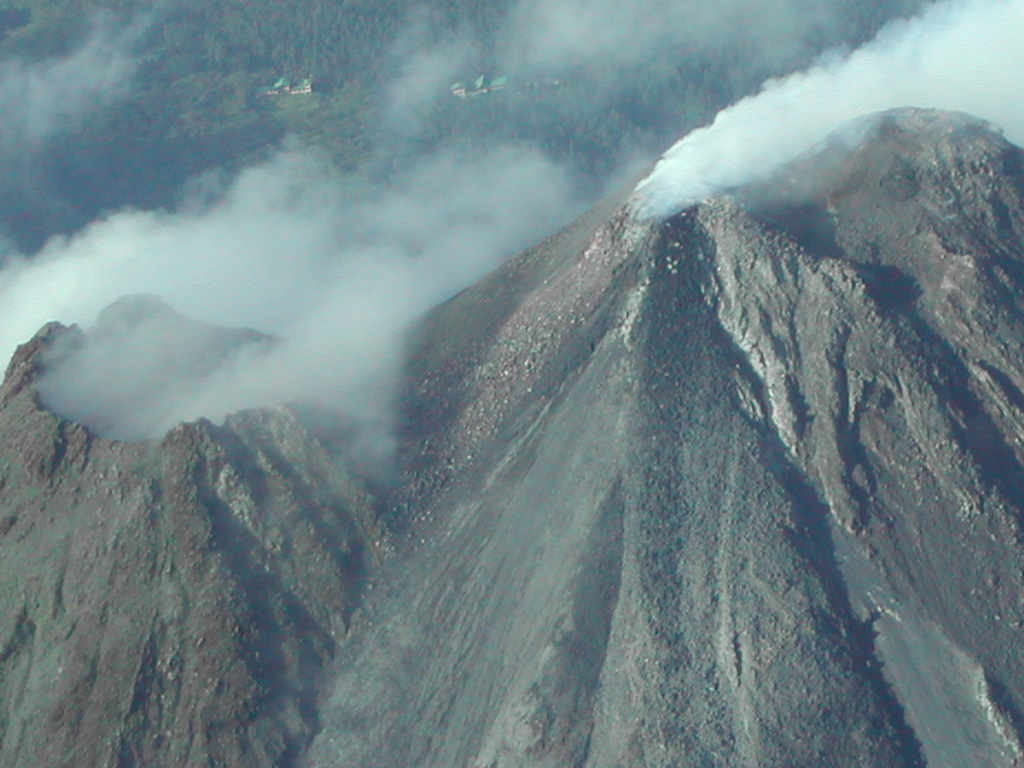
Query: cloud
[141,358]
[425,68]
[333,268]
[964,55]
[43,101]
[568,33]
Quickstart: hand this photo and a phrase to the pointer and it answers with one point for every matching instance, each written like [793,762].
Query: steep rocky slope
[742,487]
[168,603]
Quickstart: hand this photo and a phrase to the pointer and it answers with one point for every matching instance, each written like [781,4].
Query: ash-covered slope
[168,603]
[743,487]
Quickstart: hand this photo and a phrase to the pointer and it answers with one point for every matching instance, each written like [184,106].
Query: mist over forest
[134,104]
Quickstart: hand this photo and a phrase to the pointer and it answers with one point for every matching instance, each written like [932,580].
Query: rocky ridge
[169,602]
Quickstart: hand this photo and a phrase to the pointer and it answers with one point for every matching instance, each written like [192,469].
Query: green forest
[199,97]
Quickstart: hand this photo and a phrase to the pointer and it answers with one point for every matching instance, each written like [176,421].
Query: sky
[338,271]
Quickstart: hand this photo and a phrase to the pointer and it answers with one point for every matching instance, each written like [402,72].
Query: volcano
[742,486]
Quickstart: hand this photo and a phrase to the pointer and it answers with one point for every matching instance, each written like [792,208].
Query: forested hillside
[198,99]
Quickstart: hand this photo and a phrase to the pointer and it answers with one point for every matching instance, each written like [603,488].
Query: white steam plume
[338,274]
[963,55]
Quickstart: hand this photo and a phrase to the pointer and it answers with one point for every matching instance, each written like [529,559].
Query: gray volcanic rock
[743,487]
[168,603]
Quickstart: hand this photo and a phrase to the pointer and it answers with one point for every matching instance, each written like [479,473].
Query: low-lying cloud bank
[335,270]
[962,55]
